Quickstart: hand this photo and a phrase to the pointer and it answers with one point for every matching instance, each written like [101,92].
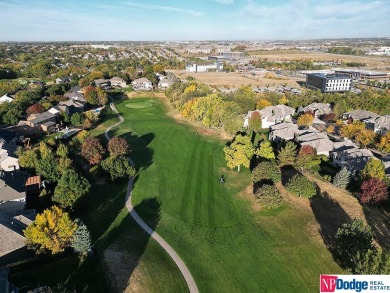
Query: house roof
[343,145]
[284,130]
[361,114]
[321,107]
[5,98]
[355,159]
[117,79]
[71,103]
[42,117]
[141,80]
[276,111]
[7,135]
[12,185]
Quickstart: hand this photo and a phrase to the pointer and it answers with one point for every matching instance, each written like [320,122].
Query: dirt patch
[234,79]
[347,202]
[248,195]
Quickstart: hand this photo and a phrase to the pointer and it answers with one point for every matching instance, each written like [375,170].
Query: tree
[117,146]
[330,117]
[384,144]
[47,167]
[306,157]
[118,167]
[266,171]
[262,103]
[373,262]
[35,109]
[81,241]
[373,169]
[265,150]
[365,137]
[373,191]
[353,238]
[51,231]
[286,156]
[330,129]
[91,95]
[352,130]
[239,152]
[305,120]
[92,150]
[70,187]
[102,96]
[269,196]
[62,150]
[27,158]
[44,149]
[342,178]
[299,185]
[76,119]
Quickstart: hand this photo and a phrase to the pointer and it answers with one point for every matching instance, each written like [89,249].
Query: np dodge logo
[354,283]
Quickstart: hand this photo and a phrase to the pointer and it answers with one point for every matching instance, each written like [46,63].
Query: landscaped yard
[225,244]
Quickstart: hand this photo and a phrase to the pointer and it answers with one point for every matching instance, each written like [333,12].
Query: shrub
[301,186]
[269,196]
[81,241]
[373,191]
[266,171]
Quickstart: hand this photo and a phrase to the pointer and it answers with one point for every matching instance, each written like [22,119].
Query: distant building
[327,83]
[217,66]
[118,82]
[6,99]
[361,74]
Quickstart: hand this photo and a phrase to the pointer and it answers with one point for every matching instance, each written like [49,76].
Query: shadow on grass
[379,220]
[330,216]
[117,254]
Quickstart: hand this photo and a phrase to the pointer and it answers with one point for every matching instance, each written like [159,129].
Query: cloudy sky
[140,20]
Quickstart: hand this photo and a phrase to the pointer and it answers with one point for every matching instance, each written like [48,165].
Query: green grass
[224,243]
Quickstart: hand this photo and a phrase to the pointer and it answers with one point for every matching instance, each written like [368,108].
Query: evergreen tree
[265,150]
[342,178]
[81,241]
[287,154]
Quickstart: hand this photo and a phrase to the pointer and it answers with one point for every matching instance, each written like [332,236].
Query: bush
[269,196]
[301,186]
[373,191]
[266,171]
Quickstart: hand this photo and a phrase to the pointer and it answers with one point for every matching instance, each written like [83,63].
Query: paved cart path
[176,258]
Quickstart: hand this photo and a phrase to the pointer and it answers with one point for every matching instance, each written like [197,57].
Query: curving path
[176,258]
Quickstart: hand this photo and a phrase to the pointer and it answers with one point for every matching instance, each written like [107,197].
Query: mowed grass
[227,246]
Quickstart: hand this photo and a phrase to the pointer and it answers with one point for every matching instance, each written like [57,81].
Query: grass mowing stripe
[198,194]
[186,195]
[211,190]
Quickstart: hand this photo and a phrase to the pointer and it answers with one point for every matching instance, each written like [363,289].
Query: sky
[175,20]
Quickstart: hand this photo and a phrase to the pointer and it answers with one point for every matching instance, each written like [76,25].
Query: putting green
[138,105]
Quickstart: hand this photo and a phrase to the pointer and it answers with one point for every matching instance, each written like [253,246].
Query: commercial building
[327,83]
[361,74]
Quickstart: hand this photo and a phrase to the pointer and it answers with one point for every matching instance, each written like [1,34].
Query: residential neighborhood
[200,146]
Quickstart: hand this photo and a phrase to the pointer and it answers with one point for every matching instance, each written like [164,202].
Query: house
[64,79]
[272,115]
[379,125]
[7,162]
[39,119]
[317,140]
[77,96]
[353,159]
[118,82]
[359,115]
[12,189]
[71,106]
[142,84]
[102,83]
[6,99]
[166,81]
[344,145]
[318,109]
[8,139]
[283,131]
